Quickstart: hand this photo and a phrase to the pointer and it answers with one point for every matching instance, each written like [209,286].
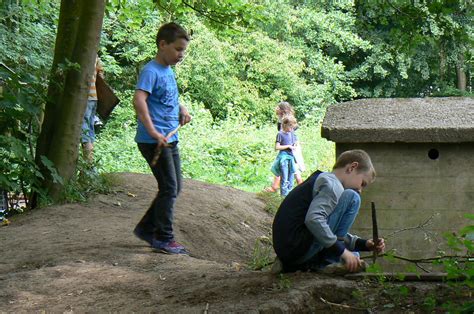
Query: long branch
[460,258]
[420,226]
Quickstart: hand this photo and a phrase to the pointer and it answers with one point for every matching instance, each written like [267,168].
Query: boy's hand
[160,139]
[184,116]
[351,261]
[379,248]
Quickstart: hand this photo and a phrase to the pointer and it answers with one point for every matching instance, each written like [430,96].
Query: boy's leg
[167,171]
[340,222]
[342,218]
[298,177]
[284,168]
[88,132]
[276,183]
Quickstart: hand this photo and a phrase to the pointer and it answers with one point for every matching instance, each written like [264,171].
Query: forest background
[244,57]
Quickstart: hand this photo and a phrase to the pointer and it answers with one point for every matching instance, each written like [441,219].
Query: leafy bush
[232,152]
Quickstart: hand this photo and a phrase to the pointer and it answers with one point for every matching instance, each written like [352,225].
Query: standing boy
[311,227]
[159,114]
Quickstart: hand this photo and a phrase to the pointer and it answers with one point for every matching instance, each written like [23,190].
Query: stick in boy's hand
[375,231]
[159,146]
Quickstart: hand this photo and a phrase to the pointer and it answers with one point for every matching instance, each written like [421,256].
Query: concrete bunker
[423,152]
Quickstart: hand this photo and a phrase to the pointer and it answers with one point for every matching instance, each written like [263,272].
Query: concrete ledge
[408,120]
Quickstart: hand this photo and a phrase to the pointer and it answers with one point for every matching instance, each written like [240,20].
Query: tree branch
[420,226]
[210,17]
[331,304]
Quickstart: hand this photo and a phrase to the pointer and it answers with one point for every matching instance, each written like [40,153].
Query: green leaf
[52,169]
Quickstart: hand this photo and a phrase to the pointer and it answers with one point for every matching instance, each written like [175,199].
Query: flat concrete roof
[408,120]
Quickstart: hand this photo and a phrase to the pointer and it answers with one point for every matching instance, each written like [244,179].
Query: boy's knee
[352,196]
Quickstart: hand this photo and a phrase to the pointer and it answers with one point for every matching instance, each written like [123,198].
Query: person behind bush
[311,227]
[159,114]
[88,131]
[283,109]
[284,165]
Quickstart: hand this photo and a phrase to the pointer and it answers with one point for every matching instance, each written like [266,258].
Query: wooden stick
[375,232]
[341,305]
[158,149]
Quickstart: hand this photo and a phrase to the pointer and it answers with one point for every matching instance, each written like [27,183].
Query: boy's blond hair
[289,121]
[359,156]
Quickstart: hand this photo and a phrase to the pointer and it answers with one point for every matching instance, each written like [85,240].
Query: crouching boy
[311,227]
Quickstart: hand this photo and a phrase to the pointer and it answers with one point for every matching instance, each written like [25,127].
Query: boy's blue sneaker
[142,235]
[168,247]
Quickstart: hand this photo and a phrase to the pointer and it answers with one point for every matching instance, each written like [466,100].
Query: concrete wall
[411,188]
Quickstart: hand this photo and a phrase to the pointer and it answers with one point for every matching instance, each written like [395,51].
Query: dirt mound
[83,257]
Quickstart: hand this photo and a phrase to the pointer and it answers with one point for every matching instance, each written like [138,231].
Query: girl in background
[285,109]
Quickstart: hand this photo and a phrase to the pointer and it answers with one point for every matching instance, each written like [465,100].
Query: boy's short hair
[170,32]
[359,156]
[289,120]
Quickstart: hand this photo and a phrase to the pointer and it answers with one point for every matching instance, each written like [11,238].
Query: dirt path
[83,257]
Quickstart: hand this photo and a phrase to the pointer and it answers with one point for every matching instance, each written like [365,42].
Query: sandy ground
[83,257]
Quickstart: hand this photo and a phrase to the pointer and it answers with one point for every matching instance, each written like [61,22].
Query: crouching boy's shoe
[168,247]
[340,268]
[277,266]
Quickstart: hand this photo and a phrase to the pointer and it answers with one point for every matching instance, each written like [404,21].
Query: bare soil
[84,258]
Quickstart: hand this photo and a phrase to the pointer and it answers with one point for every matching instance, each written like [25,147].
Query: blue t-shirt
[163,105]
[285,138]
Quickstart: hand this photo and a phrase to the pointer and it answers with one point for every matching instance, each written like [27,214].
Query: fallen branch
[394,276]
[459,258]
[341,305]
[420,226]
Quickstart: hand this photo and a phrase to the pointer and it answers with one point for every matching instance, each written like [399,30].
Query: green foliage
[463,245]
[272,201]
[233,152]
[26,41]
[262,254]
[416,47]
[284,282]
[85,183]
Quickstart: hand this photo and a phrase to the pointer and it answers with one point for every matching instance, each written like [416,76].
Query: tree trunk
[442,61]
[460,73]
[80,23]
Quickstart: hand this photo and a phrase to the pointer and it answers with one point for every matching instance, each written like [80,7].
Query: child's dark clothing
[311,226]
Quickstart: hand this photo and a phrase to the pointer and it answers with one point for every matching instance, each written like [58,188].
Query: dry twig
[341,305]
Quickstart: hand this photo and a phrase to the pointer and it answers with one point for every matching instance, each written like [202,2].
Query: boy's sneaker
[277,266]
[340,268]
[168,247]
[142,235]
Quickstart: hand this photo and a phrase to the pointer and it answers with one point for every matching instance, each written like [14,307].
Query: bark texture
[77,39]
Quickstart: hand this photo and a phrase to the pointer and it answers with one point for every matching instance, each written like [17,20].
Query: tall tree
[77,40]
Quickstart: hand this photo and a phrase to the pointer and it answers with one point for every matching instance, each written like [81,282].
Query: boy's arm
[184,116]
[141,108]
[325,198]
[354,243]
[278,146]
